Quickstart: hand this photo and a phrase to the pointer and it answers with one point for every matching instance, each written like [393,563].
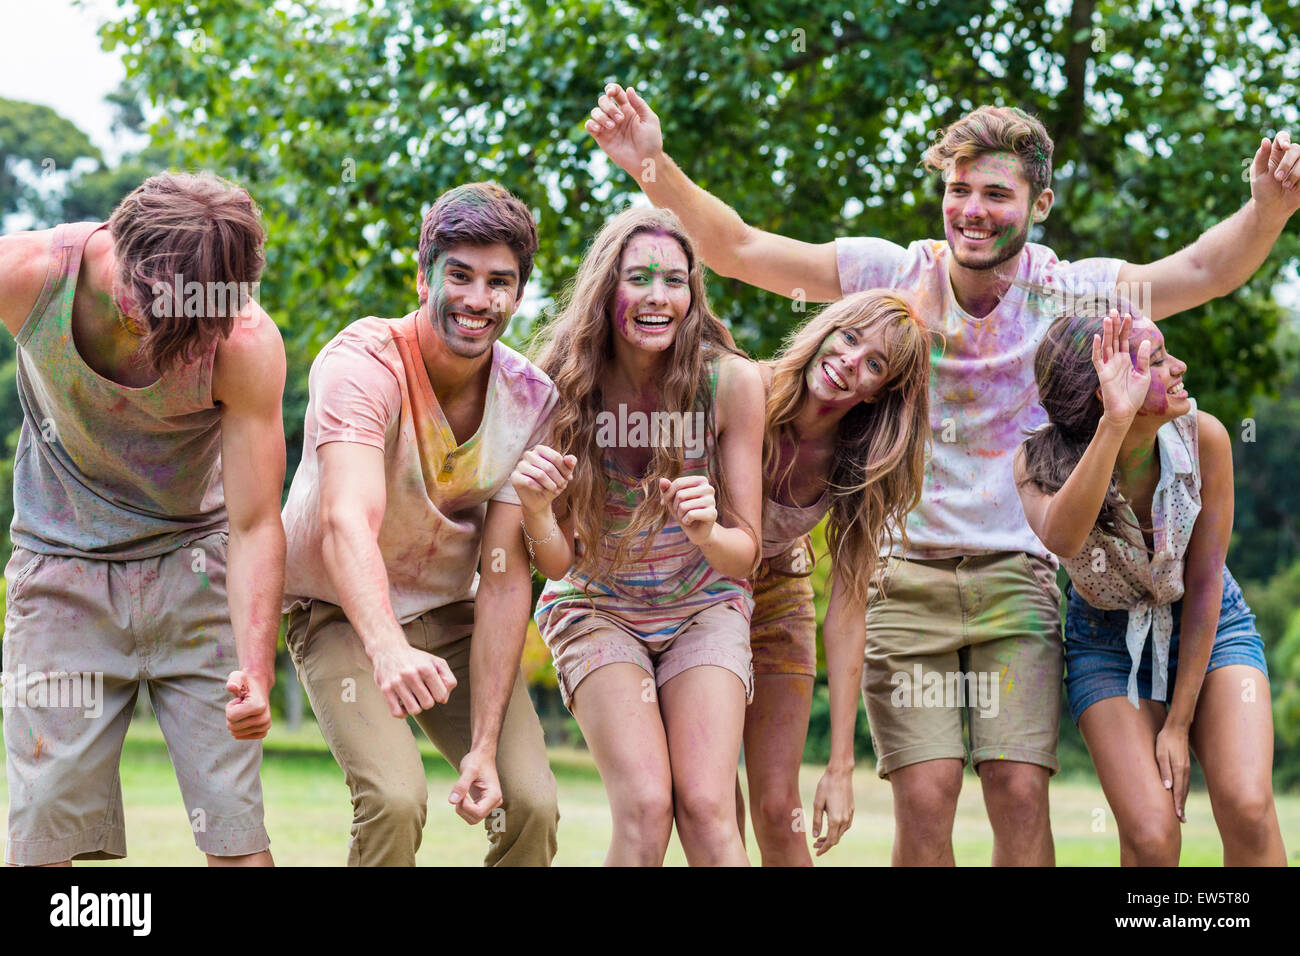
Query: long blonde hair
[879,459]
[575,349]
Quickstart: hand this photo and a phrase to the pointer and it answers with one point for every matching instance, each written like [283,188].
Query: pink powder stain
[621,309]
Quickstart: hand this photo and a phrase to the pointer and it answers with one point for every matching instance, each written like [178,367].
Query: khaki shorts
[783,630]
[718,636]
[80,636]
[976,636]
[378,753]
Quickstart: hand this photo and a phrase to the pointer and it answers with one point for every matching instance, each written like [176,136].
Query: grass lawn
[308,813]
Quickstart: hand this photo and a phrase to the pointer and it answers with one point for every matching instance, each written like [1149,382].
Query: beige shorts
[977,637]
[783,629]
[80,636]
[717,636]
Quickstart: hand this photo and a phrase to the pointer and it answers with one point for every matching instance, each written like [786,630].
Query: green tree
[346,120]
[35,140]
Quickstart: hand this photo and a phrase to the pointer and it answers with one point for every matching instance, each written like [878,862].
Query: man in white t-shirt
[970,623]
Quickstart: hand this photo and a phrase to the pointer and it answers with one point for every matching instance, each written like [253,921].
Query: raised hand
[1275,174]
[626,128]
[1124,384]
[691,503]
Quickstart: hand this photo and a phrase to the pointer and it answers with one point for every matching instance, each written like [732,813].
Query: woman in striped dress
[649,628]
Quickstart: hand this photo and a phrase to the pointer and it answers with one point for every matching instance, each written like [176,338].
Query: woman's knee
[777,811]
[1153,840]
[1247,813]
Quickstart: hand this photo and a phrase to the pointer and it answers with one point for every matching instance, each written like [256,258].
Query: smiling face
[850,367]
[653,294]
[471,292]
[987,211]
[1167,396]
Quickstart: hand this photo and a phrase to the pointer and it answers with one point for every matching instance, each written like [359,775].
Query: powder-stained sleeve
[868,263]
[1096,276]
[541,435]
[355,393]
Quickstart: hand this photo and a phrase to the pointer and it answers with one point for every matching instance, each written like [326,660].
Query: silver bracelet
[532,541]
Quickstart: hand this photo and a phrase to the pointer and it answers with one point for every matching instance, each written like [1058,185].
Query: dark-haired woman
[1131,486]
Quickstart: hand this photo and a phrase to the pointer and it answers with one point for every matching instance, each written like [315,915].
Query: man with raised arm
[152,443]
[969,620]
[414,426]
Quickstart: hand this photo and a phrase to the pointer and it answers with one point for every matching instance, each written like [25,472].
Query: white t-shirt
[983,398]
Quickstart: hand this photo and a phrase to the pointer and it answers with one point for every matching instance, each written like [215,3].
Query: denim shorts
[1097,661]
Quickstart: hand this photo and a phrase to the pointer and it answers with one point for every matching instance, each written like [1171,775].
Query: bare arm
[844,633]
[353,497]
[501,609]
[540,477]
[24,260]
[1064,520]
[1228,254]
[1202,600]
[248,381]
[731,550]
[628,131]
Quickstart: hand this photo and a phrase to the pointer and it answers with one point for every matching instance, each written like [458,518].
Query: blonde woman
[847,407]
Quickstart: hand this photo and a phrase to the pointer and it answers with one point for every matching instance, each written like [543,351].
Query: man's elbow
[340,523]
[267,527]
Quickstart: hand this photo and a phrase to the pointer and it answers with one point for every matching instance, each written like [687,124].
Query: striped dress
[655,593]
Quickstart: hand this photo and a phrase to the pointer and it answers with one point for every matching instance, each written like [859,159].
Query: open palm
[635,134]
[1124,384]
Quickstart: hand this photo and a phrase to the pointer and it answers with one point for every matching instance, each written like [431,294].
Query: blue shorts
[1097,661]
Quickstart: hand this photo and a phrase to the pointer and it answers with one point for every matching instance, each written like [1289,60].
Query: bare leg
[1122,742]
[1233,740]
[1015,795]
[776,727]
[626,736]
[925,804]
[704,716]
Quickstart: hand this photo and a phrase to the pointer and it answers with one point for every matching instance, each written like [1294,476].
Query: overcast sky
[50,54]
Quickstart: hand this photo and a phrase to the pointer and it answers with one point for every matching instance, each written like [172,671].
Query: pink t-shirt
[369,385]
[983,398]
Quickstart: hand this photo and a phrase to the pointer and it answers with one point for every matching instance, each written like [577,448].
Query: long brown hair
[575,348]
[879,459]
[1067,390]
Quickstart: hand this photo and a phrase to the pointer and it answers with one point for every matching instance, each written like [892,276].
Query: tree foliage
[346,120]
[35,141]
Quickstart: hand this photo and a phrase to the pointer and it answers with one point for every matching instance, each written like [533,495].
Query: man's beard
[453,337]
[1001,255]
